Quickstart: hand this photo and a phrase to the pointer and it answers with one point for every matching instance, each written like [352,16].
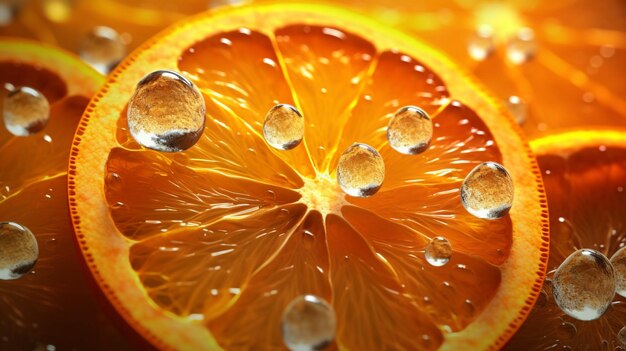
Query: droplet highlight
[166,112]
[621,336]
[517,107]
[361,170]
[26,111]
[438,251]
[487,191]
[618,260]
[18,250]
[410,130]
[102,48]
[283,128]
[584,285]
[481,44]
[308,323]
[522,47]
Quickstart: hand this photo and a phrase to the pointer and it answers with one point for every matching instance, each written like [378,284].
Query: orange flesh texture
[50,304]
[586,190]
[222,236]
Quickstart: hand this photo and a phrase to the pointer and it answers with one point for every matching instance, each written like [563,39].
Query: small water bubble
[522,47]
[361,170]
[487,191]
[308,323]
[410,130]
[438,251]
[566,331]
[18,250]
[618,260]
[283,128]
[26,111]
[482,43]
[517,107]
[621,336]
[584,285]
[102,48]
[166,112]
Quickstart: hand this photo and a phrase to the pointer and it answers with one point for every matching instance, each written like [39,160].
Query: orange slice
[204,248]
[585,178]
[52,306]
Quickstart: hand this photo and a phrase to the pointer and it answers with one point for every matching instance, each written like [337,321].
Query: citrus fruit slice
[585,179]
[50,306]
[206,247]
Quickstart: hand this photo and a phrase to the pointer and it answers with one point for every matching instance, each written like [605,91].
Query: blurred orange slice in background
[585,179]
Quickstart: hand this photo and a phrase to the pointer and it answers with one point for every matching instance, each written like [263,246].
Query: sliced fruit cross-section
[206,247]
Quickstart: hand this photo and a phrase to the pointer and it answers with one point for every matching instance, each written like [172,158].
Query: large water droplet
[284,127]
[361,170]
[18,250]
[522,46]
[308,323]
[517,107]
[438,251]
[584,285]
[102,48]
[410,130]
[621,336]
[9,10]
[481,44]
[26,111]
[166,112]
[619,264]
[487,191]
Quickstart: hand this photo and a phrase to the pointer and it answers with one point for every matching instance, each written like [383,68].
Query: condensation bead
[166,112]
[438,251]
[618,260]
[621,336]
[361,170]
[481,44]
[487,191]
[18,250]
[522,47]
[584,285]
[410,130]
[308,323]
[102,48]
[518,108]
[25,112]
[283,128]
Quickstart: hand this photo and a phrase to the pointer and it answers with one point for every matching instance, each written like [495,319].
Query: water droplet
[361,170]
[18,250]
[308,323]
[584,285]
[410,130]
[517,107]
[487,191]
[566,331]
[482,44]
[619,265]
[166,112]
[102,48]
[522,47]
[26,111]
[9,10]
[621,336]
[438,251]
[283,128]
